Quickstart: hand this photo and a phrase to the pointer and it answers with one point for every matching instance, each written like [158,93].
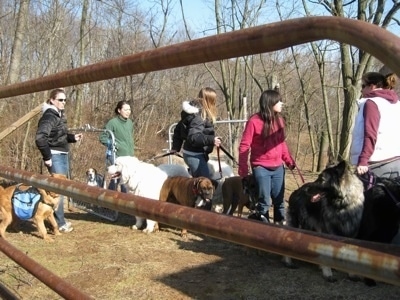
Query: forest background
[320,81]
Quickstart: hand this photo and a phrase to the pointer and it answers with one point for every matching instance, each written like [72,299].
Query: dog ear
[342,166]
[214,183]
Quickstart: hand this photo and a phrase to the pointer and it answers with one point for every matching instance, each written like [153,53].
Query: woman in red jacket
[264,138]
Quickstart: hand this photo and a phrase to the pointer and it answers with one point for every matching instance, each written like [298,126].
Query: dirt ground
[108,260]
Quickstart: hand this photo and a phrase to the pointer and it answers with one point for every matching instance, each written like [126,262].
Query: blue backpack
[25,203]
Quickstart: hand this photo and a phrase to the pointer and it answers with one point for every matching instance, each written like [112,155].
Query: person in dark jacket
[52,140]
[195,131]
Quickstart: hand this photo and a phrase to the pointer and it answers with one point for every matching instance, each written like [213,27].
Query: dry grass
[110,261]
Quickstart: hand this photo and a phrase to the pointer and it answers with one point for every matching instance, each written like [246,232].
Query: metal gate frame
[94,209]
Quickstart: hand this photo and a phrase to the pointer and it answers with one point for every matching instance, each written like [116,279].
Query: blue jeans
[197,165]
[60,165]
[271,185]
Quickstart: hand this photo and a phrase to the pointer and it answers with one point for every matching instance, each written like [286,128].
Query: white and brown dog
[93,178]
[144,179]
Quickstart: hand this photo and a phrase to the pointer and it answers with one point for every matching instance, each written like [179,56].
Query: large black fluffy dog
[336,204]
[381,215]
[331,204]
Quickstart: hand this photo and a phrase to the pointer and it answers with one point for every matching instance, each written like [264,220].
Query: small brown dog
[238,193]
[44,208]
[191,192]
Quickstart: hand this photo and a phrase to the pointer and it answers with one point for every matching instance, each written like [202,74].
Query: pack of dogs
[338,202]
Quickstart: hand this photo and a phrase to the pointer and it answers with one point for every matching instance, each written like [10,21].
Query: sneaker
[259,217]
[69,224]
[66,228]
[282,223]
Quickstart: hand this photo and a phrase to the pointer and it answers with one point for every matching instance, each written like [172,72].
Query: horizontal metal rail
[265,38]
[57,284]
[377,261]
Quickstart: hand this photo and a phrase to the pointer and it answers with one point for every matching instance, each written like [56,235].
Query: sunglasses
[61,100]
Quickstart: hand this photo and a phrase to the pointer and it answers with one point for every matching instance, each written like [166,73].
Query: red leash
[300,174]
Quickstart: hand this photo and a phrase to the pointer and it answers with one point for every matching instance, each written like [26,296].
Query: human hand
[217,141]
[362,170]
[291,166]
[78,137]
[48,163]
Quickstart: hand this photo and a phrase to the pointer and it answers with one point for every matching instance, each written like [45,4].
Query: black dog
[310,207]
[381,215]
[332,204]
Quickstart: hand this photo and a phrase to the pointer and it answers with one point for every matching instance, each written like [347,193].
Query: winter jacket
[196,135]
[52,132]
[269,152]
[375,135]
[123,134]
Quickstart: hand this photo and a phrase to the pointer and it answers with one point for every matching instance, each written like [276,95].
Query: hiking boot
[66,228]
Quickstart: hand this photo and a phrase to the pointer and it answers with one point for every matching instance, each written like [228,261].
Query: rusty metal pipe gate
[275,36]
[345,254]
[57,284]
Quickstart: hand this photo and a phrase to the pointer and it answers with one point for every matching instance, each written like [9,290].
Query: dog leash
[228,154]
[369,181]
[299,172]
[219,162]
[383,162]
[164,155]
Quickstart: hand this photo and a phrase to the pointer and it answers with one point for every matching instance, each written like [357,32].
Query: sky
[199,13]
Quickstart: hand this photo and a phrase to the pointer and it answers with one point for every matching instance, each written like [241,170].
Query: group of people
[53,139]
[263,151]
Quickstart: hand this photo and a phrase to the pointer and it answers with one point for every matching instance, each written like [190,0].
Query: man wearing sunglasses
[52,140]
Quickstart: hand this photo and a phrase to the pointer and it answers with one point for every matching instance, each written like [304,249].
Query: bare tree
[230,75]
[355,62]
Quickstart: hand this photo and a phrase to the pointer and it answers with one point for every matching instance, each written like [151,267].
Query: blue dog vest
[25,203]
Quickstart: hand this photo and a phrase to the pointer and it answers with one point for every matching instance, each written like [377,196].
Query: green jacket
[123,133]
